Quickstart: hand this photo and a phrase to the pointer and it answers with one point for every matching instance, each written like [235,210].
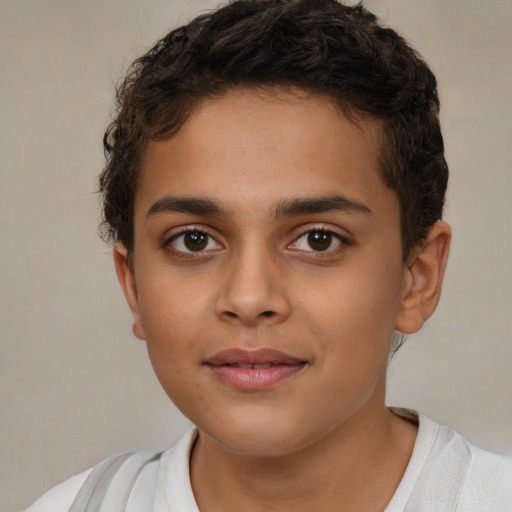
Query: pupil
[319,240]
[195,241]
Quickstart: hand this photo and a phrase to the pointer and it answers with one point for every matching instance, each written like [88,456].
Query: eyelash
[328,251]
[190,253]
[322,253]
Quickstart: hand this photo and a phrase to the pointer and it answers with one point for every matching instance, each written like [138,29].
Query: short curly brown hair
[319,46]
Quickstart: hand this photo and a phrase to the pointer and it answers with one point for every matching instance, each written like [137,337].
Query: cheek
[174,315]
[355,310]
[177,332]
[166,299]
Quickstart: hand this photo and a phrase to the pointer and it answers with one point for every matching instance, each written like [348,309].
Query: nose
[253,293]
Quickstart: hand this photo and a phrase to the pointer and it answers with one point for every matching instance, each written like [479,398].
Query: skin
[259,282]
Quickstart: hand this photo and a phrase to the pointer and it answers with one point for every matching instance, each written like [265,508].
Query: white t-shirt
[445,474]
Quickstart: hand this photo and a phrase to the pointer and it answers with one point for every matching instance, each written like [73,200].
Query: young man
[274,187]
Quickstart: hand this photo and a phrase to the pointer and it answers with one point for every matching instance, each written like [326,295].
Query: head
[274,181]
[318,46]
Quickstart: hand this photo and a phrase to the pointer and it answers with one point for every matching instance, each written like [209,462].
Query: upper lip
[258,356]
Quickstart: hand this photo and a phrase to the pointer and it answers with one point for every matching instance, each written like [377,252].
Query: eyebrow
[287,208]
[191,205]
[310,205]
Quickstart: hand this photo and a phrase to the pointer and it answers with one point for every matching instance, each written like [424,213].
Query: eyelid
[328,228]
[183,230]
[345,241]
[175,233]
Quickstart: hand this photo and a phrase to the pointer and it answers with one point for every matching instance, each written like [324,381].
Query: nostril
[268,313]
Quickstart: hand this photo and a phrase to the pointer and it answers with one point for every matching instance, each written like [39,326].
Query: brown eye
[193,241]
[320,240]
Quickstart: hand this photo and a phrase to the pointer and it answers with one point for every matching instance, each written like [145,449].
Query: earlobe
[424,279]
[126,278]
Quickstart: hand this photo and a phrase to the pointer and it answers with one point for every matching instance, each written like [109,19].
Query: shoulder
[131,479]
[488,483]
[61,497]
[468,478]
[110,483]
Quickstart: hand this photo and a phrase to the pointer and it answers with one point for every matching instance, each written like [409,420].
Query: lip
[253,370]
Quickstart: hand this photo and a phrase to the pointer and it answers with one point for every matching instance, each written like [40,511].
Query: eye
[319,240]
[193,240]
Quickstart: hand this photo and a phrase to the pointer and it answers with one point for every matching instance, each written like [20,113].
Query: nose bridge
[252,292]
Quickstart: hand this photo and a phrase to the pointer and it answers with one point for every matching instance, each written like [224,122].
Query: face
[268,273]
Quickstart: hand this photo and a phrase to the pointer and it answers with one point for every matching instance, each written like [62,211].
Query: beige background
[74,383]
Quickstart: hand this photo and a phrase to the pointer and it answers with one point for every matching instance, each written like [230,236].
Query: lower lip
[254,379]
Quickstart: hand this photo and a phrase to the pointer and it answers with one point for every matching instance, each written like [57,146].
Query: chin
[257,443]
[258,435]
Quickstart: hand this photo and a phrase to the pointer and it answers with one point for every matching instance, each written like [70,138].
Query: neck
[356,467]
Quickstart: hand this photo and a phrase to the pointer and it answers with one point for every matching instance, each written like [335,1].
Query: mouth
[253,370]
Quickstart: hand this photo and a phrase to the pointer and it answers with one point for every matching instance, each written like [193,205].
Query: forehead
[256,148]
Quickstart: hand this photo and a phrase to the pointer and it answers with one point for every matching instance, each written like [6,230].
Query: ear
[424,279]
[126,278]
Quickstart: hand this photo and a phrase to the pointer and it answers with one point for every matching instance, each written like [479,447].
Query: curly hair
[319,46]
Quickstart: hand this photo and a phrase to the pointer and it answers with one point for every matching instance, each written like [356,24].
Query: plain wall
[75,385]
